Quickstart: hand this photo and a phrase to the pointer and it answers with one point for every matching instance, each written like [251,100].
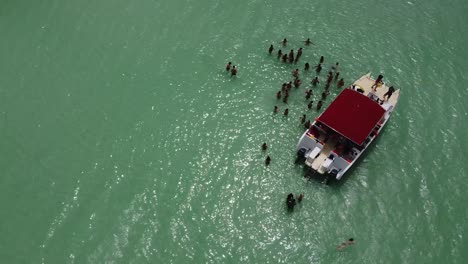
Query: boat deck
[366,82]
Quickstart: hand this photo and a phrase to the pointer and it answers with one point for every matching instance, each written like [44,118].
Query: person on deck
[389,93]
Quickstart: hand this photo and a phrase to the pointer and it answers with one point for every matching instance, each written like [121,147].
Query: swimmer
[336,75]
[322,59]
[233,71]
[285,99]
[285,57]
[306,66]
[309,105]
[307,42]
[264,146]
[289,85]
[345,244]
[275,110]
[283,87]
[267,160]
[270,50]
[280,53]
[228,66]
[286,112]
[307,124]
[315,81]
[340,83]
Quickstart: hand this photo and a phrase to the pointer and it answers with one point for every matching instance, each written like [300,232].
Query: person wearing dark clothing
[318,68]
[278,95]
[233,71]
[308,93]
[306,66]
[286,112]
[340,83]
[322,59]
[267,160]
[315,81]
[264,146]
[303,118]
[307,124]
[280,53]
[309,105]
[389,93]
[270,50]
[291,56]
[290,201]
[228,66]
[319,105]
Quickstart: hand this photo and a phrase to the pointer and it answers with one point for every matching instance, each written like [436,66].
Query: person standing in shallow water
[280,53]
[306,66]
[340,83]
[267,160]
[264,146]
[284,42]
[228,66]
[270,50]
[319,105]
[286,112]
[233,71]
[291,56]
[275,110]
[315,81]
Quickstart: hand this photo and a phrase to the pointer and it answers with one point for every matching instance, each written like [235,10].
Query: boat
[347,127]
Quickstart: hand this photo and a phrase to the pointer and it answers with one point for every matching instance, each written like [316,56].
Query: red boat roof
[352,115]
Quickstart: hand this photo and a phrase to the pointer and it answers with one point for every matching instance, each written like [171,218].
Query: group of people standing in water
[286,89]
[292,57]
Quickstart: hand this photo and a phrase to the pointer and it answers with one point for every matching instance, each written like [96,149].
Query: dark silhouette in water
[264,146]
[290,202]
[270,50]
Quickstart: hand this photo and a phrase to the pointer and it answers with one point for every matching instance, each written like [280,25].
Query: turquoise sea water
[124,141]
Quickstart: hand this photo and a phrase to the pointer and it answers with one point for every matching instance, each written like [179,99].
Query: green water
[124,141]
